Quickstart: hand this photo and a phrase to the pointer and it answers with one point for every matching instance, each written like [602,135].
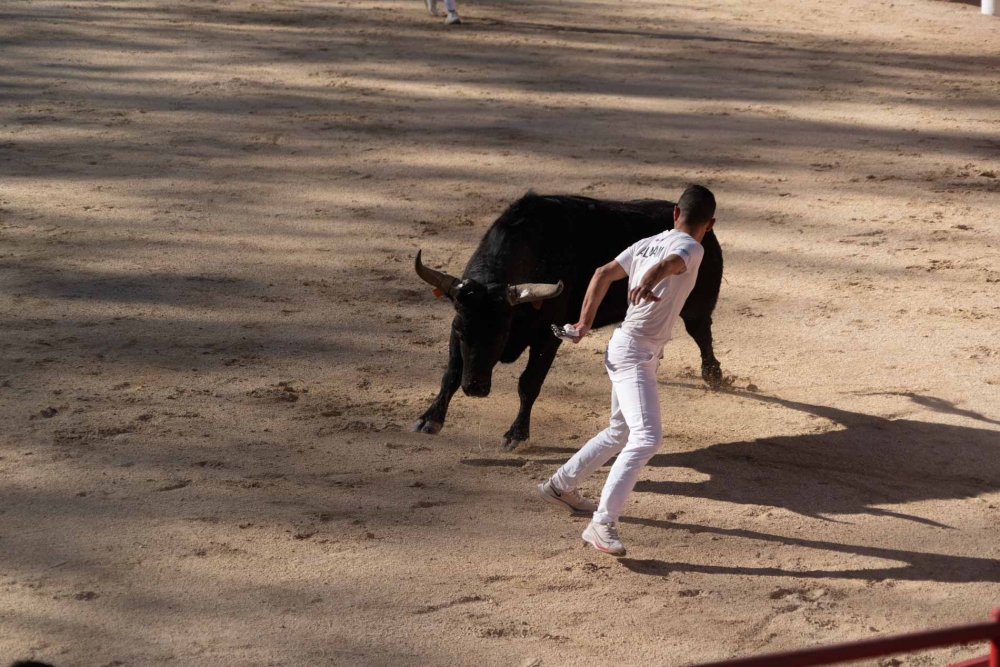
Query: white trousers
[634,432]
[449,5]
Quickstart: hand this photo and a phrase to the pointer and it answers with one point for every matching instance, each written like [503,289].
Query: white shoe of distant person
[452,18]
[572,499]
[604,537]
[432,7]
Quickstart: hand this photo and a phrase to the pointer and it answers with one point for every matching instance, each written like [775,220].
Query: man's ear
[677,214]
[708,227]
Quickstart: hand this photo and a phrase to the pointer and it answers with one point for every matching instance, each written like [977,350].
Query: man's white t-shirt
[651,322]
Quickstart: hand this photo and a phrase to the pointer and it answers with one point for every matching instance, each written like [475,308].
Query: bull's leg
[433,419]
[542,353]
[700,328]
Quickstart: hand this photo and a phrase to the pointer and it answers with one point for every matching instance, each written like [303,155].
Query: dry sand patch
[214,345]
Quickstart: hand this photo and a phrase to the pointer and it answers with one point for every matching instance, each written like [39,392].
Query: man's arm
[671,265]
[599,284]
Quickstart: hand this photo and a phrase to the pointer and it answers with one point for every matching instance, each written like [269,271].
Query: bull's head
[483,319]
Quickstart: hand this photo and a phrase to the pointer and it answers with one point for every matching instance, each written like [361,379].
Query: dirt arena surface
[213,343]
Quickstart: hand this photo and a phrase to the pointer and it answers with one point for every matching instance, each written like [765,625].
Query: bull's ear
[531,292]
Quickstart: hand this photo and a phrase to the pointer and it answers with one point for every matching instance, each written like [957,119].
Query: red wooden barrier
[874,648]
[981,661]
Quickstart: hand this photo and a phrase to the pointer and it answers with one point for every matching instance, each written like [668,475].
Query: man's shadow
[867,461]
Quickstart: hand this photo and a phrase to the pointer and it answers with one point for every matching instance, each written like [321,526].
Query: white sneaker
[432,7]
[604,537]
[571,499]
[452,18]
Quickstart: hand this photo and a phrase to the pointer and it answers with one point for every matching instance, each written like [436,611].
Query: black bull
[510,293]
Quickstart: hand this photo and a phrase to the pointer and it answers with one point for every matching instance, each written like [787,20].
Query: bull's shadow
[869,461]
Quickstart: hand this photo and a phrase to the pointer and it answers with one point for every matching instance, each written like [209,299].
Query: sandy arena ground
[214,345]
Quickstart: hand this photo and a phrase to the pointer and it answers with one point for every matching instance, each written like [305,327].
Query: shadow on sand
[914,565]
[868,461]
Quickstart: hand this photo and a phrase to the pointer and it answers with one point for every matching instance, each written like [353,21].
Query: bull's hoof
[510,444]
[712,375]
[428,426]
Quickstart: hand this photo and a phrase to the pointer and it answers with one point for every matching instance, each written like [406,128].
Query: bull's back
[607,228]
[547,238]
[590,232]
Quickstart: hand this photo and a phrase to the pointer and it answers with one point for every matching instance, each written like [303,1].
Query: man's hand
[641,293]
[672,265]
[583,328]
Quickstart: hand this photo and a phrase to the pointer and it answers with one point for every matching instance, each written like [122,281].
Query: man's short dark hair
[697,205]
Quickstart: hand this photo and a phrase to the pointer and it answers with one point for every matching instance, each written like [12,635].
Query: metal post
[995,613]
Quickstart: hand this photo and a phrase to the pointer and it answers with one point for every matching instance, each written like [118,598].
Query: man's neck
[697,234]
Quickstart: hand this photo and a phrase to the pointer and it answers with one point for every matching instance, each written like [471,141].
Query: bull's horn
[441,281]
[526,292]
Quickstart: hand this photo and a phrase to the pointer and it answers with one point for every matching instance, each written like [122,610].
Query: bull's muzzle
[476,389]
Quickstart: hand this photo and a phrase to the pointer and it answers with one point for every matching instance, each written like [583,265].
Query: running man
[661,273]
[450,7]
